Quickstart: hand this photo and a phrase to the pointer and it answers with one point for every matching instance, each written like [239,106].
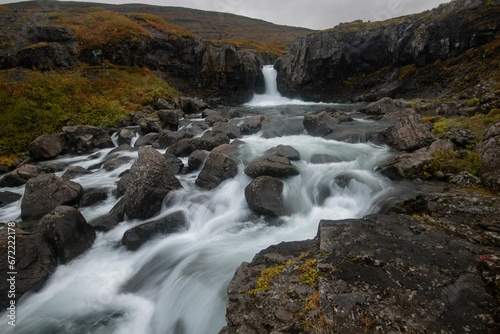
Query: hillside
[205,24]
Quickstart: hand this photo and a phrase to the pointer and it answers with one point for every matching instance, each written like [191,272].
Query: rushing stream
[177,283]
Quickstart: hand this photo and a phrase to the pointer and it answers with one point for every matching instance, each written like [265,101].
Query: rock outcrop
[67,231]
[150,181]
[46,192]
[384,273]
[490,152]
[366,59]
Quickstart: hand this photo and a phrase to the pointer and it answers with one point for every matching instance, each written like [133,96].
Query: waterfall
[177,283]
[272,96]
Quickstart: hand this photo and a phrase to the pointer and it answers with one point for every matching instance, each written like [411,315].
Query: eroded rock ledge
[380,274]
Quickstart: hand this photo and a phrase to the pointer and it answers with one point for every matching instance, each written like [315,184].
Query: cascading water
[177,283]
[272,97]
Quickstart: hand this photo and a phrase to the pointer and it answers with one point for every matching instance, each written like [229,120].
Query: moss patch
[265,277]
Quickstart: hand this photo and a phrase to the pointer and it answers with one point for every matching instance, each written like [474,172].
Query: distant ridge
[206,24]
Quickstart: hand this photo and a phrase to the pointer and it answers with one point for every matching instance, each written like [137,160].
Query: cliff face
[351,59]
[189,63]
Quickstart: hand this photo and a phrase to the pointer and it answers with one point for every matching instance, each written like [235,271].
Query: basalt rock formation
[370,60]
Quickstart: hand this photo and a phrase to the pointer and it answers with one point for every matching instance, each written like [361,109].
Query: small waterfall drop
[272,96]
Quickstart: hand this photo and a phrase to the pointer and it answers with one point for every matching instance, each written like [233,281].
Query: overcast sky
[314,14]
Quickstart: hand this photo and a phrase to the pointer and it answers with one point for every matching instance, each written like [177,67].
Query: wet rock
[109,221]
[125,136]
[175,165]
[150,181]
[19,176]
[406,165]
[139,235]
[192,105]
[384,106]
[384,272]
[215,118]
[286,151]
[46,192]
[48,146]
[255,124]
[67,231]
[271,165]
[147,139]
[74,172]
[35,262]
[208,141]
[93,196]
[230,130]
[114,163]
[465,179]
[170,118]
[409,134]
[8,197]
[168,137]
[197,158]
[85,138]
[490,154]
[218,167]
[264,195]
[148,124]
[122,184]
[321,124]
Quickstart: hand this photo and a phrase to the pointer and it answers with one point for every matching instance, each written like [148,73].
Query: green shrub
[449,161]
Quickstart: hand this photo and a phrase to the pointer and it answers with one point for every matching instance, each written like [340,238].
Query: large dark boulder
[382,273]
[271,165]
[45,56]
[255,124]
[135,237]
[218,168]
[409,133]
[19,176]
[209,141]
[490,154]
[108,221]
[85,138]
[74,172]
[320,124]
[67,231]
[48,146]
[264,195]
[35,262]
[46,192]
[230,130]
[170,118]
[150,181]
[286,151]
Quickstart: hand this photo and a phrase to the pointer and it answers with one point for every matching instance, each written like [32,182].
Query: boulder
[35,262]
[286,151]
[191,105]
[113,162]
[170,118]
[110,220]
[460,137]
[46,192]
[48,146]
[209,140]
[409,133]
[8,197]
[148,124]
[169,137]
[230,130]
[175,165]
[75,171]
[384,106]
[197,158]
[125,136]
[271,165]
[150,181]
[67,231]
[320,125]
[465,179]
[93,196]
[406,165]
[490,154]
[148,139]
[215,118]
[135,237]
[85,138]
[264,195]
[218,168]
[255,124]
[19,176]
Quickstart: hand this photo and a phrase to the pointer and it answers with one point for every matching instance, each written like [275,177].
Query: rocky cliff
[369,60]
[55,40]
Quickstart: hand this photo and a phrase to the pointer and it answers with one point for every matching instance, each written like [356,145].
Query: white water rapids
[177,283]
